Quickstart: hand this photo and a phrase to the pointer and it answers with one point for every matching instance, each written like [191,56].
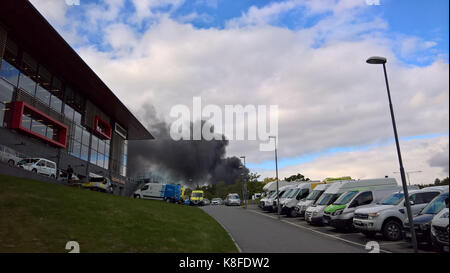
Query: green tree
[296,177]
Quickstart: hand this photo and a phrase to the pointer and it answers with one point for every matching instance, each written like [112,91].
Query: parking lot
[255,230]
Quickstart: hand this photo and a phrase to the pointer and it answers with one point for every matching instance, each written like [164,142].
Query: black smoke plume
[192,161]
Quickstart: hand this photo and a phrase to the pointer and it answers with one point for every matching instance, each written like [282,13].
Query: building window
[27,84]
[43,95]
[68,112]
[6,92]
[9,72]
[55,103]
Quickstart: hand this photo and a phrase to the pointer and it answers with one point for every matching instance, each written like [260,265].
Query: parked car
[269,202]
[440,230]
[10,156]
[369,191]
[38,165]
[232,200]
[166,192]
[422,222]
[388,215]
[206,202]
[217,201]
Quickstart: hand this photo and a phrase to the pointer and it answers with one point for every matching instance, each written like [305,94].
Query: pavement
[254,230]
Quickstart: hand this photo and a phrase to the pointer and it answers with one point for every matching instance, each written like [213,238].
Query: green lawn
[41,217]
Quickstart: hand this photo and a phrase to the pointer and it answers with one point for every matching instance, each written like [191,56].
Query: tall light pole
[382,60]
[407,175]
[276,168]
[244,185]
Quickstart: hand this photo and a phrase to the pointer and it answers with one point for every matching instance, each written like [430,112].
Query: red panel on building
[60,130]
[102,128]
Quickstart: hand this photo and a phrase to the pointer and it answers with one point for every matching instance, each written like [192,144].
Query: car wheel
[34,170]
[137,196]
[11,163]
[52,176]
[292,213]
[392,230]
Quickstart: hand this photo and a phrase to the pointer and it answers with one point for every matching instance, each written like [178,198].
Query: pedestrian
[69,173]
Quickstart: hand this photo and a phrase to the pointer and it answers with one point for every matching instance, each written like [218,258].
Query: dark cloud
[199,160]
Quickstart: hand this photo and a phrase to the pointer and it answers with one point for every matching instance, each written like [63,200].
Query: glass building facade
[22,78]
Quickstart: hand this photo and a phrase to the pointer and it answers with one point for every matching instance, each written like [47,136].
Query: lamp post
[382,60]
[276,169]
[244,185]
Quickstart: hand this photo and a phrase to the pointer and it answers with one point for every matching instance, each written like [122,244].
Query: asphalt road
[254,232]
[257,231]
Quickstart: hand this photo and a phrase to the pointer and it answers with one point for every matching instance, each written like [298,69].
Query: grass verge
[42,217]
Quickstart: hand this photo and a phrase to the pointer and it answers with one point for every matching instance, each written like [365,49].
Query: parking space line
[320,232]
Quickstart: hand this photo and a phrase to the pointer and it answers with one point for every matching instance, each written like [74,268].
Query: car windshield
[345,198]
[294,193]
[234,196]
[28,160]
[436,205]
[197,194]
[314,195]
[286,193]
[217,199]
[327,198]
[393,199]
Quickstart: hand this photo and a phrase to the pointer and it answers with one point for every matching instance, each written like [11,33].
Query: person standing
[69,173]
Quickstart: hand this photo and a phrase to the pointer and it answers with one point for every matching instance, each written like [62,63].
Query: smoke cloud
[201,161]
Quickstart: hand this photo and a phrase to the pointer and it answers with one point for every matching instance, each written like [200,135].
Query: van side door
[40,167]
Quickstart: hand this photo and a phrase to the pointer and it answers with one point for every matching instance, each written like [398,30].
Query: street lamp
[382,60]
[244,185]
[276,168]
[407,175]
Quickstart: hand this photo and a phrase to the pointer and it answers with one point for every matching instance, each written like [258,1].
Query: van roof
[347,185]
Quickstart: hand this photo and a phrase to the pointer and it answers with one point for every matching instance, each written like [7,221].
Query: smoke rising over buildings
[200,160]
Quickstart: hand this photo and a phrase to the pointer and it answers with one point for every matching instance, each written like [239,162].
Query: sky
[306,56]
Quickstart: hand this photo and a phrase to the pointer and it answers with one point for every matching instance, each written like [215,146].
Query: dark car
[422,221]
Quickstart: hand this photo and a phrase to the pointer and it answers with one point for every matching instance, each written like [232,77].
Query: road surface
[254,232]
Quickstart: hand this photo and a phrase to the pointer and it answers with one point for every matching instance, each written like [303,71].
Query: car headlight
[433,231]
[373,215]
[338,212]
[314,213]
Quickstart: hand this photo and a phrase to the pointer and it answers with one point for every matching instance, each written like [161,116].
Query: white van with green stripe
[364,193]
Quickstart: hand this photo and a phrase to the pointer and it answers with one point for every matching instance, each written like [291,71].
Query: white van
[365,192]
[312,197]
[38,165]
[299,193]
[9,155]
[314,213]
[269,202]
[387,216]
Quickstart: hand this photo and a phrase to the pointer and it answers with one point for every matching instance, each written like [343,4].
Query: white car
[9,155]
[38,165]
[440,230]
[388,215]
